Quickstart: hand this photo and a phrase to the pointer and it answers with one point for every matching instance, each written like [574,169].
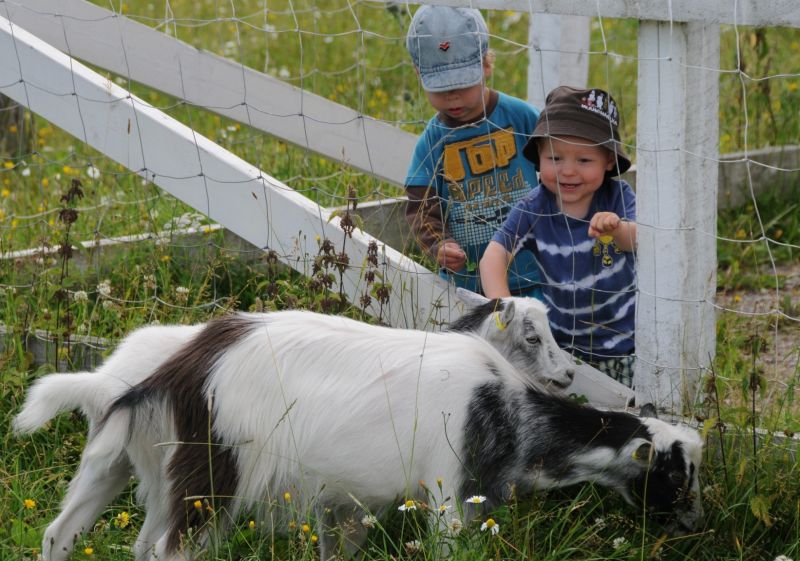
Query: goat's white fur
[294,398]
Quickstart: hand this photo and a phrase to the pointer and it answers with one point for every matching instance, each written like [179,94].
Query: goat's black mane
[472,320]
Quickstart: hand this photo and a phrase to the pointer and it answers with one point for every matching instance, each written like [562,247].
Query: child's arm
[424,216]
[494,271]
[609,224]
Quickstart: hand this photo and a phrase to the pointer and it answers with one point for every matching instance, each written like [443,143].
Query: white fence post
[677,153]
[558,55]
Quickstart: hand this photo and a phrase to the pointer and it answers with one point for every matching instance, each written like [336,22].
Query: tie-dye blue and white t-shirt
[589,284]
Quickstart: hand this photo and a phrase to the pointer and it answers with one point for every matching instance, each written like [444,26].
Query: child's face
[573,169]
[465,104]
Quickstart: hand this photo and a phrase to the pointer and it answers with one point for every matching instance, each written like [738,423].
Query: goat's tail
[55,393]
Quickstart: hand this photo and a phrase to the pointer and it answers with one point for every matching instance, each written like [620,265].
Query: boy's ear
[612,159]
[487,68]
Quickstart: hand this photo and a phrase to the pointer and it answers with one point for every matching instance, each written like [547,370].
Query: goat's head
[664,474]
[518,328]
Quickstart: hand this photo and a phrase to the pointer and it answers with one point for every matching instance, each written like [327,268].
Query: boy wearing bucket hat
[580,224]
[467,169]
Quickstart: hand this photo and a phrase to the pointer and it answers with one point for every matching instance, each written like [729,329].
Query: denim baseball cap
[591,114]
[447,46]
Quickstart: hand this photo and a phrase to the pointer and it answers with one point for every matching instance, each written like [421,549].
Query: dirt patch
[780,331]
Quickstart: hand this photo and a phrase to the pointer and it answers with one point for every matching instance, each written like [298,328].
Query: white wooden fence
[676,148]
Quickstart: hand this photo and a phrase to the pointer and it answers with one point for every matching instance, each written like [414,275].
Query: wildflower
[619,542]
[108,305]
[8,165]
[476,499]
[284,72]
[92,172]
[782,558]
[251,524]
[5,193]
[89,551]
[455,526]
[408,505]
[413,547]
[80,296]
[491,525]
[122,520]
[600,523]
[45,182]
[292,524]
[314,538]
[439,482]
[26,172]
[287,496]
[198,504]
[737,298]
[12,128]
[104,288]
[29,504]
[305,528]
[741,234]
[369,521]
[442,509]
[184,290]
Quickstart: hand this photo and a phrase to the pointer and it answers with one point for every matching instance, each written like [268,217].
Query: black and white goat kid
[336,410]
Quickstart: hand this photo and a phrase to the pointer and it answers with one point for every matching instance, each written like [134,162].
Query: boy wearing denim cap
[467,169]
[580,224]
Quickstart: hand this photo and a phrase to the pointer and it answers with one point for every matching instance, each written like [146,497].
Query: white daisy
[490,525]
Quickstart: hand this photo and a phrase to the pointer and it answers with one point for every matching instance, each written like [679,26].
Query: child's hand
[450,256]
[604,224]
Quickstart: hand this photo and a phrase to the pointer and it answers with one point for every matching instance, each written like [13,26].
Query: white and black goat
[336,410]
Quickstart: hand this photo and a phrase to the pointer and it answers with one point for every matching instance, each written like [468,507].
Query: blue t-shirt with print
[479,173]
[589,284]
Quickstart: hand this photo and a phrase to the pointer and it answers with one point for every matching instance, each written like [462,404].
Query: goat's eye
[676,477]
[533,339]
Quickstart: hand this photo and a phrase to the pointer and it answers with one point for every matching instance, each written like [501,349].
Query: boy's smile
[573,169]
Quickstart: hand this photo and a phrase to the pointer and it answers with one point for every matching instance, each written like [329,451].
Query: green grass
[750,491]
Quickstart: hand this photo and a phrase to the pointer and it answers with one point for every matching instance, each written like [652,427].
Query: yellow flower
[741,234]
[737,298]
[122,520]
[45,182]
[251,524]
[287,496]
[89,551]
[12,129]
[198,504]
[8,165]
[314,538]
[165,258]
[30,504]
[5,193]
[14,222]
[292,524]
[305,528]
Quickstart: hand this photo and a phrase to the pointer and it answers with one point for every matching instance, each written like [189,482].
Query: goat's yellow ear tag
[499,323]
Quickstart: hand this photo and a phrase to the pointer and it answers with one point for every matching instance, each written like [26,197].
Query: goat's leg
[90,491]
[156,522]
[354,534]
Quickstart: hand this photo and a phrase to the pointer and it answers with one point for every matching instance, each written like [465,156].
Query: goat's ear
[644,453]
[470,299]
[508,312]
[648,410]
